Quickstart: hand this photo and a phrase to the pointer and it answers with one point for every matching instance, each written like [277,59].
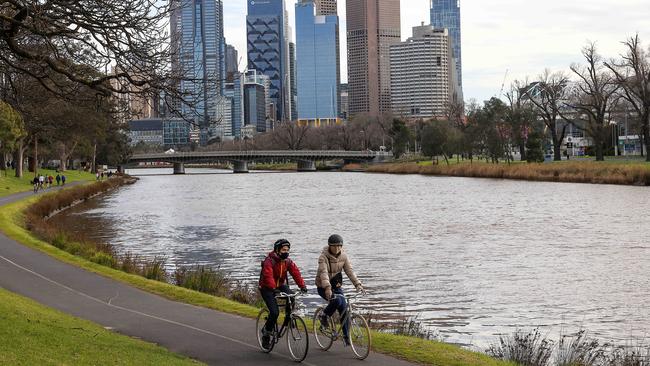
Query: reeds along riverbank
[200,278]
[534,349]
[569,172]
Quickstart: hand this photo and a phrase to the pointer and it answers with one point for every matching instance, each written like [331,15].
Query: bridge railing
[260,154]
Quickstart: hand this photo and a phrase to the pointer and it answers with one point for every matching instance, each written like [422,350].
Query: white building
[423,74]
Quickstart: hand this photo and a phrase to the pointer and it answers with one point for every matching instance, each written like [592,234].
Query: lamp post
[614,125]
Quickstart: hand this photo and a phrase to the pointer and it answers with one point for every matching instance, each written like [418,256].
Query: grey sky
[522,36]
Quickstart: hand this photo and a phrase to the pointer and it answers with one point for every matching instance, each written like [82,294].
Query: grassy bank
[569,172]
[33,334]
[12,223]
[10,184]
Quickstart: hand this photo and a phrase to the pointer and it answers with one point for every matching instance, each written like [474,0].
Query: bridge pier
[306,166]
[179,168]
[240,166]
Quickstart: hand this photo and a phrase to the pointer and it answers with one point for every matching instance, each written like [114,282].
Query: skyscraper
[197,35]
[372,26]
[318,64]
[326,7]
[293,73]
[446,14]
[232,63]
[268,50]
[423,79]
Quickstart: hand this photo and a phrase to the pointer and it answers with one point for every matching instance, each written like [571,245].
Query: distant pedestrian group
[41,181]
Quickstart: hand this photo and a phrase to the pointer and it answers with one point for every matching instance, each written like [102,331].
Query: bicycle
[359,337]
[293,326]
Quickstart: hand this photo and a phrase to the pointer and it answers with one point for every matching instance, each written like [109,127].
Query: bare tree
[632,72]
[594,98]
[548,95]
[520,115]
[290,135]
[57,42]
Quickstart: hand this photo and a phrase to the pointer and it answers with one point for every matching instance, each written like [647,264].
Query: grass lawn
[32,334]
[10,184]
[412,349]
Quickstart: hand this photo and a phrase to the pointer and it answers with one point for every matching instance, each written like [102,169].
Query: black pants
[272,304]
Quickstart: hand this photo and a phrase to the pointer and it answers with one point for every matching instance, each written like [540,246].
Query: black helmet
[281,243]
[335,240]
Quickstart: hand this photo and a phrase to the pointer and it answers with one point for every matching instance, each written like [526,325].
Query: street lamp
[614,125]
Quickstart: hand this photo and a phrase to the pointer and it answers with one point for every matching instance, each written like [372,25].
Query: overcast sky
[521,36]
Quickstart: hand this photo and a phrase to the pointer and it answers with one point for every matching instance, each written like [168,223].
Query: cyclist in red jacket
[273,280]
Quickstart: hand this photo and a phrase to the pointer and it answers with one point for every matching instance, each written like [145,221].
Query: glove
[328,293]
[304,290]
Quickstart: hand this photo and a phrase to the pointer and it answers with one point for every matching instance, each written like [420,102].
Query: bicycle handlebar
[351,296]
[282,295]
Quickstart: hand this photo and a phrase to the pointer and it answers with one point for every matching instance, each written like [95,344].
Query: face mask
[284,255]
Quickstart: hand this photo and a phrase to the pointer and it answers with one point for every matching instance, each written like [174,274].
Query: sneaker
[324,322]
[266,340]
[346,341]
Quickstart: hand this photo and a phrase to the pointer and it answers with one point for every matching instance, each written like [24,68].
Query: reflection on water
[470,257]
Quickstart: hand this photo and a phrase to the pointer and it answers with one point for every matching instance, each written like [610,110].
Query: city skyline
[493,29]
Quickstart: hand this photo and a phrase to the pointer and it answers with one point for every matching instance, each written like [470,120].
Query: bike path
[209,336]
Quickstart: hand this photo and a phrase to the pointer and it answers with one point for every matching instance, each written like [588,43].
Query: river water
[470,258]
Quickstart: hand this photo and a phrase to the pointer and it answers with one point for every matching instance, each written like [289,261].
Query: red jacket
[274,272]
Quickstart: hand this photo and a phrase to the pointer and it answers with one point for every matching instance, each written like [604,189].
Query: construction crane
[503,84]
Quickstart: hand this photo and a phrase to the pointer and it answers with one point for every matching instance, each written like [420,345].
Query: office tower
[372,26]
[232,63]
[268,51]
[317,59]
[197,35]
[326,7]
[293,72]
[446,14]
[422,74]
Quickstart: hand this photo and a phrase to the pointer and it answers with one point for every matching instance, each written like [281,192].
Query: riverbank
[10,184]
[12,222]
[33,334]
[637,174]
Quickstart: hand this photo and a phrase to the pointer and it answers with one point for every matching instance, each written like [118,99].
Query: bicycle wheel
[323,332]
[360,336]
[259,325]
[297,339]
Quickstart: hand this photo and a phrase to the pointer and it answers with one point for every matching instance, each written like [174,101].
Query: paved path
[209,336]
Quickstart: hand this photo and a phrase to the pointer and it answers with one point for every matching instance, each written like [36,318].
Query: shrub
[526,349]
[104,259]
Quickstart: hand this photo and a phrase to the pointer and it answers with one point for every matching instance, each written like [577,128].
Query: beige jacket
[329,265]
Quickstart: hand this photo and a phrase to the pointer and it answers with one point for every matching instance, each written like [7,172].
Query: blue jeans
[337,303]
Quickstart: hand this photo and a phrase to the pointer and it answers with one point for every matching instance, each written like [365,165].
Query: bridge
[306,159]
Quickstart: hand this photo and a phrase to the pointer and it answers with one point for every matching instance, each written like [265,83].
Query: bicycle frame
[289,309]
[347,313]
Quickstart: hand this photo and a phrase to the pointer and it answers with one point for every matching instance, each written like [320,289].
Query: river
[470,258]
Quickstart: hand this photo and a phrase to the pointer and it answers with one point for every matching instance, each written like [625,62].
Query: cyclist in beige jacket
[332,262]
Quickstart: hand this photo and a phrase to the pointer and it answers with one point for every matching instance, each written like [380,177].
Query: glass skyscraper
[317,60]
[197,34]
[446,14]
[268,50]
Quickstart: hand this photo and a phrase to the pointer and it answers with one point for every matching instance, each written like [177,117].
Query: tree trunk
[3,161]
[33,164]
[557,148]
[522,151]
[94,166]
[600,155]
[18,160]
